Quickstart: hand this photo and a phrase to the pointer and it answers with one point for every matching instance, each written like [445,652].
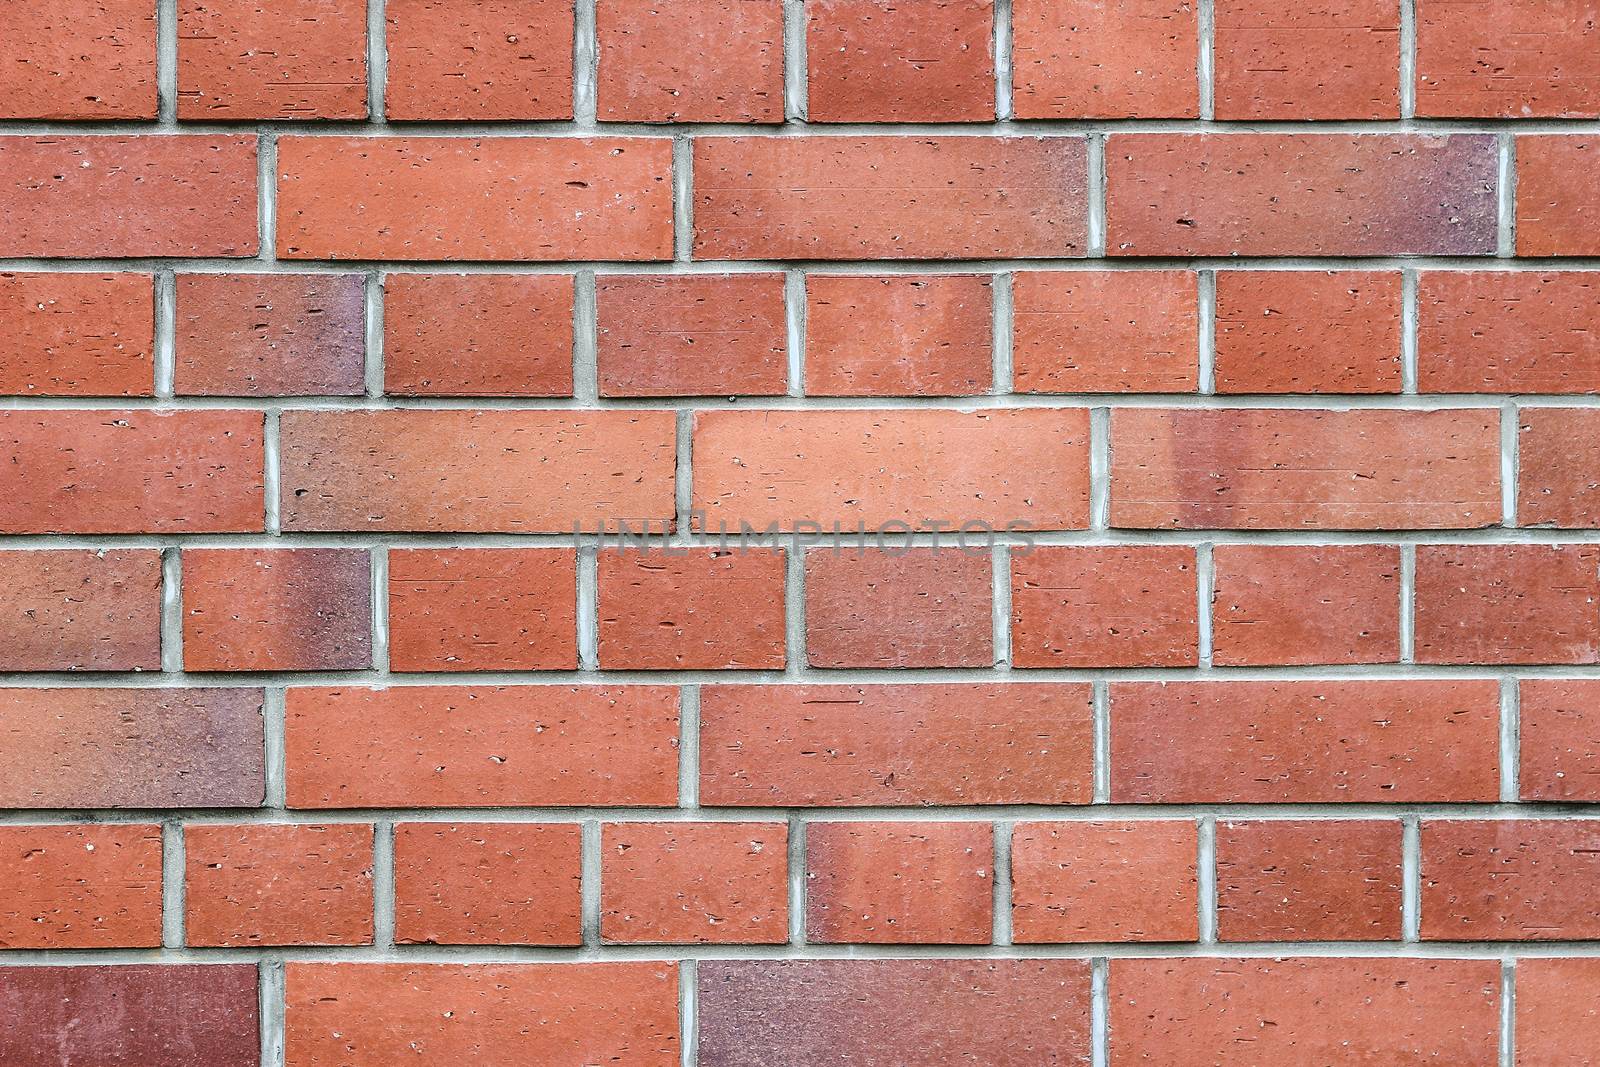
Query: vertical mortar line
[794,607]
[794,61]
[166,333]
[272,471]
[1207,286]
[1510,738]
[1408,601]
[270,976]
[585,65]
[590,892]
[1206,584]
[585,339]
[688,1012]
[1099,1011]
[1097,194]
[267,194]
[689,747]
[1507,228]
[1002,333]
[167,61]
[797,881]
[1408,59]
[794,321]
[1208,31]
[172,883]
[1099,468]
[171,610]
[1101,711]
[1002,60]
[1510,463]
[1002,882]
[1408,331]
[374,333]
[1508,1011]
[380,608]
[682,198]
[1208,879]
[1000,575]
[683,473]
[383,885]
[377,58]
[588,616]
[273,712]
[1410,878]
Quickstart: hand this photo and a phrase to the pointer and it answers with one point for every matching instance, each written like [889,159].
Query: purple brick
[270,335]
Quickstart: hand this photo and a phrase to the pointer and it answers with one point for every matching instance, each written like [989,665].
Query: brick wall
[1254,345]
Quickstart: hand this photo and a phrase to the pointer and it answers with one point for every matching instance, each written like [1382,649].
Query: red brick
[80,887]
[1558,467]
[1295,194]
[483,609]
[910,883]
[131,748]
[691,609]
[493,59]
[91,197]
[1308,332]
[177,1015]
[895,745]
[1266,469]
[79,59]
[1558,196]
[482,746]
[1355,742]
[892,1012]
[1510,879]
[500,198]
[1106,331]
[1558,1011]
[899,335]
[144,471]
[920,607]
[1308,880]
[705,883]
[80,610]
[432,1014]
[1330,59]
[1508,604]
[270,335]
[886,61]
[256,884]
[1508,332]
[477,334]
[488,884]
[889,197]
[1512,59]
[1022,469]
[690,60]
[1559,722]
[77,334]
[476,470]
[691,335]
[272,59]
[1083,606]
[1105,881]
[1181,1012]
[1088,59]
[1291,605]
[297,609]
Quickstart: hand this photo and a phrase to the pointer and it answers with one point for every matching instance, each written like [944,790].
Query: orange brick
[691,609]
[899,335]
[899,883]
[1308,332]
[492,59]
[272,59]
[922,607]
[1082,606]
[78,59]
[67,887]
[886,61]
[1509,879]
[483,609]
[688,883]
[300,609]
[1088,59]
[1308,880]
[1508,332]
[77,334]
[1512,59]
[1557,1010]
[1106,332]
[1305,604]
[488,884]
[77,610]
[1558,195]
[690,60]
[1105,881]
[1328,59]
[691,335]
[1559,719]
[1483,604]
[256,884]
[1558,467]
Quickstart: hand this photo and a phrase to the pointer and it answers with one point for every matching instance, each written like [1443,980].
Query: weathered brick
[900,883]
[1308,880]
[1484,604]
[690,60]
[884,61]
[80,610]
[1106,331]
[1558,195]
[1509,879]
[493,59]
[1304,742]
[483,609]
[296,609]
[1558,467]
[1088,59]
[86,197]
[78,59]
[437,198]
[1087,606]
[144,471]
[79,887]
[131,748]
[1294,194]
[1286,469]
[1287,605]
[1329,59]
[694,883]
[691,609]
[272,59]
[889,197]
[1105,881]
[921,607]
[77,334]
[691,335]
[488,884]
[477,334]
[270,335]
[891,1012]
[1305,1010]
[435,1014]
[482,746]
[1508,332]
[255,884]
[1511,59]
[895,745]
[1026,469]
[898,335]
[1557,1011]
[1559,719]
[1308,332]
[511,471]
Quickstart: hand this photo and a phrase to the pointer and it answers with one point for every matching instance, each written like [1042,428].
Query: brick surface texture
[799,533]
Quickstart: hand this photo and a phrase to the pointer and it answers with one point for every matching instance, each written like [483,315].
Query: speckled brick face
[799,533]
